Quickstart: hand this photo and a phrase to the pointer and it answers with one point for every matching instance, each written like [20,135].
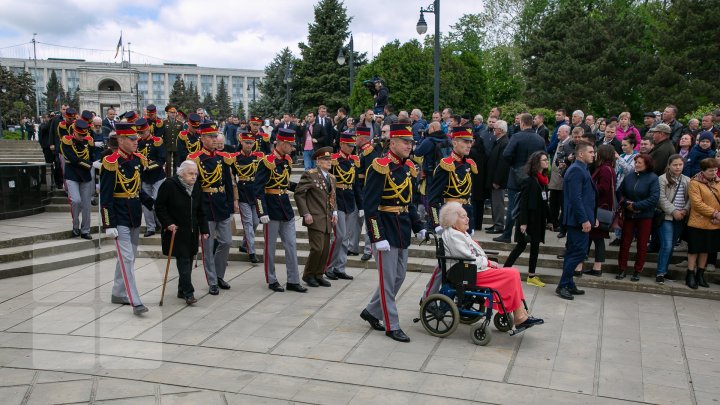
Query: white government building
[124,86]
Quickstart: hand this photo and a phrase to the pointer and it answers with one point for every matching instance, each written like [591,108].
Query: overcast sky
[217,33]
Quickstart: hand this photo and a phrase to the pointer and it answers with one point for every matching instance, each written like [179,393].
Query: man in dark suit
[108,122]
[328,125]
[578,217]
[609,138]
[285,123]
[522,144]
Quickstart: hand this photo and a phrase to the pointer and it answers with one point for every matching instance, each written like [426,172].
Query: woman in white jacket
[506,281]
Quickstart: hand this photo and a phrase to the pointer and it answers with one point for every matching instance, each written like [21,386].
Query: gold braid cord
[278,180]
[207,179]
[247,170]
[129,186]
[397,190]
[457,188]
[344,177]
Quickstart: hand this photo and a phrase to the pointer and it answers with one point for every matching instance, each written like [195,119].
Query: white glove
[97,164]
[421,235]
[111,232]
[361,213]
[264,219]
[335,214]
[472,232]
[439,230]
[382,246]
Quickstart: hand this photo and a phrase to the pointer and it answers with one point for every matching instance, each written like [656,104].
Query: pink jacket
[620,134]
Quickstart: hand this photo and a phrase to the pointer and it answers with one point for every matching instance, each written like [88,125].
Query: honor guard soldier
[188,141]
[215,177]
[87,116]
[155,123]
[452,182]
[367,152]
[78,154]
[347,195]
[64,128]
[130,116]
[390,217]
[246,165]
[153,176]
[171,129]
[272,183]
[121,198]
[315,199]
[262,140]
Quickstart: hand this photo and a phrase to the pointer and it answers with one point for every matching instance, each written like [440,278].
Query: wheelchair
[460,300]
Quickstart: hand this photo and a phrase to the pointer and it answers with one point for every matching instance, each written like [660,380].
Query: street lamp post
[351,62]
[421,29]
[287,80]
[253,88]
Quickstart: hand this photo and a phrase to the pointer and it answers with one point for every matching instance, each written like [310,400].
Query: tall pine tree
[192,99]
[222,101]
[177,94]
[208,103]
[54,93]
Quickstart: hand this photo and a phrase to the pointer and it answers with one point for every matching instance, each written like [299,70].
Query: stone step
[56,261]
[45,248]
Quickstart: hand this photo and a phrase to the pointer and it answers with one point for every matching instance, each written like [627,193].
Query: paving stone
[61,392]
[13,395]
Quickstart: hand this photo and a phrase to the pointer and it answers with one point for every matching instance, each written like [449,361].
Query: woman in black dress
[532,214]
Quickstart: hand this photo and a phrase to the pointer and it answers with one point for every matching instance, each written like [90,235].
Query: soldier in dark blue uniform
[188,141]
[390,217]
[246,165]
[153,176]
[215,177]
[262,140]
[155,123]
[272,183]
[121,198]
[452,182]
[78,153]
[130,116]
[367,152]
[64,129]
[347,195]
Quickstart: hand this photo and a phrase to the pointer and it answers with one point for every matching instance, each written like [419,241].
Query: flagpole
[122,45]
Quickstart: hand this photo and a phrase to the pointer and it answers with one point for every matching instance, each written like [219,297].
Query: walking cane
[167,266]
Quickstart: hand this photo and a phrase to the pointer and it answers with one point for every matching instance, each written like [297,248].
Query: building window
[143,87]
[158,83]
[205,85]
[17,71]
[191,79]
[237,92]
[73,80]
[108,85]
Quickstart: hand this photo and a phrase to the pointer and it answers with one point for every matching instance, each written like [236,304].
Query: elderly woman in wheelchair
[466,279]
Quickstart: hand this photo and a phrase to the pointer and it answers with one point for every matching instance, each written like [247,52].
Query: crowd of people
[383,177]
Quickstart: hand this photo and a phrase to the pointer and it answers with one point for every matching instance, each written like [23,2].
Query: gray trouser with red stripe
[286,231]
[341,242]
[127,244]
[250,221]
[392,266]
[434,283]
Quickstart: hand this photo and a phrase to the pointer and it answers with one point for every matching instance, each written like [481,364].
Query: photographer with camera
[379,92]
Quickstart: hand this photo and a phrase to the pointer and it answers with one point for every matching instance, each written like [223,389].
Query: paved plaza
[61,341]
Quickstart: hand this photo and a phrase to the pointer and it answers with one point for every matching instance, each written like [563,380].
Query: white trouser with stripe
[392,266]
[127,244]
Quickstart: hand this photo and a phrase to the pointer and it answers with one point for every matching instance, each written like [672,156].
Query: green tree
[319,79]
[222,101]
[54,93]
[17,99]
[240,111]
[178,94]
[192,99]
[208,103]
[272,89]
[74,99]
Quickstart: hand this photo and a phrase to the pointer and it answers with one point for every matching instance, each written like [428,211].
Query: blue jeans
[669,233]
[509,221]
[308,160]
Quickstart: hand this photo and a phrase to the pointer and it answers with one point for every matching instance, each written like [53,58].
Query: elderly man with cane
[179,206]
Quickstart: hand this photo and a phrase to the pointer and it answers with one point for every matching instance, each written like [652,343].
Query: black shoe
[635,276]
[530,322]
[690,280]
[490,228]
[139,309]
[595,273]
[296,288]
[495,231]
[223,284]
[276,287]
[190,300]
[660,280]
[86,236]
[343,276]
[75,233]
[365,257]
[310,281]
[561,235]
[214,290]
[93,201]
[149,234]
[398,335]
[119,300]
[331,275]
[616,242]
[578,274]
[620,275]
[180,295]
[353,253]
[242,249]
[700,277]
[575,291]
[322,282]
[501,239]
[564,293]
[374,322]
[253,258]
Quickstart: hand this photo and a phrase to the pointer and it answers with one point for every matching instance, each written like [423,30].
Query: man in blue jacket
[578,217]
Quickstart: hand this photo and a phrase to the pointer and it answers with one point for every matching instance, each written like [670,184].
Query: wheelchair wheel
[481,335]
[503,322]
[439,315]
[477,305]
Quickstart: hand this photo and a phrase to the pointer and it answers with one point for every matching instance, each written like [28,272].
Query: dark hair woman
[639,194]
[532,215]
[604,178]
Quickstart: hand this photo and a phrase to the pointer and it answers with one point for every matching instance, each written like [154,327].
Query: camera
[370,84]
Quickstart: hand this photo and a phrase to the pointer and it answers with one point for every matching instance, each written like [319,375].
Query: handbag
[607,218]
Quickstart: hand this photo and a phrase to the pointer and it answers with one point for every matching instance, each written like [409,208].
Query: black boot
[700,276]
[690,279]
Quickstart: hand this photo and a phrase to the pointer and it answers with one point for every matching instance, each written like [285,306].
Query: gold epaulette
[356,160]
[447,164]
[228,158]
[157,141]
[411,168]
[143,159]
[67,140]
[110,162]
[158,123]
[473,165]
[183,135]
[269,161]
[368,151]
[381,165]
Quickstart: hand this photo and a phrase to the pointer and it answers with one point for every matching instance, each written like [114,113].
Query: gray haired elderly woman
[179,209]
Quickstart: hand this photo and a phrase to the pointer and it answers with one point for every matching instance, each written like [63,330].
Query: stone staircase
[16,151]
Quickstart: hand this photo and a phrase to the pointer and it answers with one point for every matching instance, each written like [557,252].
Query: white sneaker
[682,247]
[709,267]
